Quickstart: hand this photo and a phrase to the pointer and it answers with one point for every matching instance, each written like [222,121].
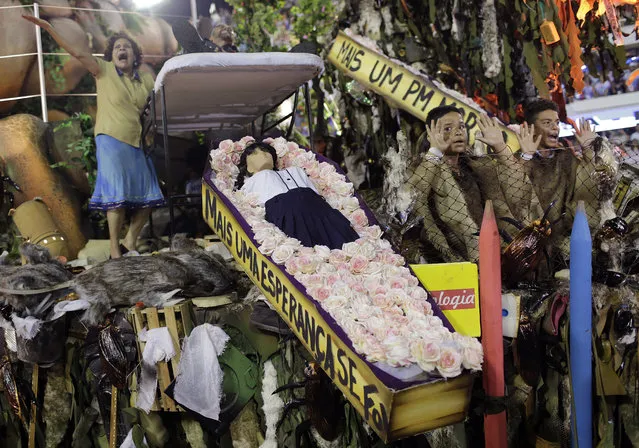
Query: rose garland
[364,286]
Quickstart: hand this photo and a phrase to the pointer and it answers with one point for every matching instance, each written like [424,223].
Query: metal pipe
[194,14]
[15,98]
[309,114]
[43,87]
[291,125]
[167,160]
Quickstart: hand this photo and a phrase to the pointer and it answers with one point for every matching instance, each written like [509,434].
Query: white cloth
[27,327]
[159,347]
[129,443]
[268,184]
[199,384]
[66,306]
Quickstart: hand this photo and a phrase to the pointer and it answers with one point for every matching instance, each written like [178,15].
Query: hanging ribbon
[613,20]
[574,47]
[584,8]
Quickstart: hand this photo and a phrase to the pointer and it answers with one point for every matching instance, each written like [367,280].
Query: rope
[30,292]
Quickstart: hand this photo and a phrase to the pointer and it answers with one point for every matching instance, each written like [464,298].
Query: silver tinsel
[491,54]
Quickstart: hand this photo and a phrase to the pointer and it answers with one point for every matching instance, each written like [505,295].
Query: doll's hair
[137,53]
[250,149]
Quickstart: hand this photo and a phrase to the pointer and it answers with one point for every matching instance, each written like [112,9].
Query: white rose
[342,188]
[349,204]
[397,350]
[351,249]
[282,253]
[269,244]
[368,250]
[322,252]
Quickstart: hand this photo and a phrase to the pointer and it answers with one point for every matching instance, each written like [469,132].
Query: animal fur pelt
[41,271]
[123,281]
[128,280]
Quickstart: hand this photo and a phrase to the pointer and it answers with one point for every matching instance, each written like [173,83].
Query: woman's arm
[85,58]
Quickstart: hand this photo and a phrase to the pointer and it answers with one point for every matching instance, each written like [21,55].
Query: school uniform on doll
[291,201]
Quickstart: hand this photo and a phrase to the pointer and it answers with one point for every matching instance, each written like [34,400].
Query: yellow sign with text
[407,90]
[349,372]
[455,289]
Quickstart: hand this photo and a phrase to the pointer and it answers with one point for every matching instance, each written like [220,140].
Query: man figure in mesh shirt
[449,186]
[557,173]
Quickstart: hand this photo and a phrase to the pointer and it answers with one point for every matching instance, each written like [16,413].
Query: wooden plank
[163,370]
[171,324]
[185,314]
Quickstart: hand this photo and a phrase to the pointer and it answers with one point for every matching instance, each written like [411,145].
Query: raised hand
[585,133]
[436,136]
[491,133]
[527,141]
[40,22]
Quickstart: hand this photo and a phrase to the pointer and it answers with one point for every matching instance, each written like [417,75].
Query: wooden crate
[178,320]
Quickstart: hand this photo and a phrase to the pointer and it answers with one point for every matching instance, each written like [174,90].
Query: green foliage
[313,20]
[84,147]
[257,21]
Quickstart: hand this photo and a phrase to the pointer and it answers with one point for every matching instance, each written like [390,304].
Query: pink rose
[235,158]
[319,293]
[358,218]
[411,281]
[336,256]
[245,141]
[373,350]
[307,264]
[449,364]
[291,266]
[313,172]
[326,169]
[425,353]
[238,147]
[372,232]
[342,266]
[314,280]
[381,289]
[382,301]
[358,264]
[331,279]
[220,161]
[398,283]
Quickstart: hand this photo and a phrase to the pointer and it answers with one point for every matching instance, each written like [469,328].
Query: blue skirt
[126,177]
[303,214]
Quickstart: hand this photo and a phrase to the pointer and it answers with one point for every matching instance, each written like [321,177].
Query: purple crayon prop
[581,329]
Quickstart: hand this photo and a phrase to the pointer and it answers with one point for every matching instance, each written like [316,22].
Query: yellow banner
[367,394]
[415,94]
[455,289]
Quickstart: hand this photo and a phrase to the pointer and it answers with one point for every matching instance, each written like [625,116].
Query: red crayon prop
[491,325]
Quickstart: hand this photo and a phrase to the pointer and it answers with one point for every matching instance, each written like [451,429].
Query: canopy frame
[152,122]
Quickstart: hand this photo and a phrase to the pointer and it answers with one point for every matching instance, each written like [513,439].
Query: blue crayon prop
[581,329]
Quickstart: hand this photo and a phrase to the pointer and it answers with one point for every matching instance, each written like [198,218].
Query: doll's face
[258,161]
